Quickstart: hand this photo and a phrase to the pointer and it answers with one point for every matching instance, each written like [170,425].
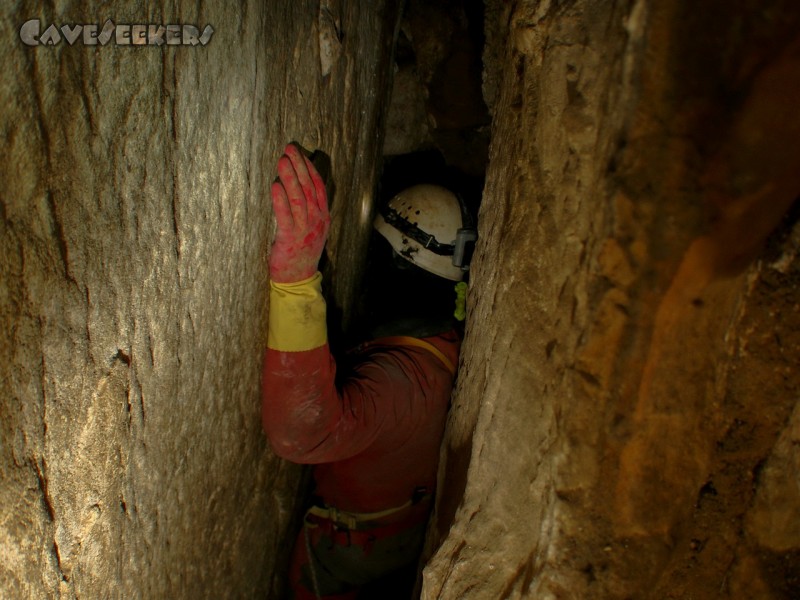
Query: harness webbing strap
[350,519]
[405,340]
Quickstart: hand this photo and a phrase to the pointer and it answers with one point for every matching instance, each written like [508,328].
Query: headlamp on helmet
[429,226]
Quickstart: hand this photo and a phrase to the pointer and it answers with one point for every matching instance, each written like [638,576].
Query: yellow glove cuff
[297,315]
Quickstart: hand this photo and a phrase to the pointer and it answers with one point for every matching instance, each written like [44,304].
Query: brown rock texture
[134,227]
[625,420]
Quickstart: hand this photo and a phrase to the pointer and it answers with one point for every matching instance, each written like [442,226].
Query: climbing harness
[351,521]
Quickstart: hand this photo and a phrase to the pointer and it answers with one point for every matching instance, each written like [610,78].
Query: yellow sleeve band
[297,315]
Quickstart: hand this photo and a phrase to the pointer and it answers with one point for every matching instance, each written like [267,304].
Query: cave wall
[625,419]
[134,228]
[625,423]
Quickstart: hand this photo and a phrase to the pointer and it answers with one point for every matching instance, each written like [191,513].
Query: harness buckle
[344,518]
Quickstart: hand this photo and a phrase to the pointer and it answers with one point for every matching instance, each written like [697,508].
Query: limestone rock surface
[624,424]
[134,229]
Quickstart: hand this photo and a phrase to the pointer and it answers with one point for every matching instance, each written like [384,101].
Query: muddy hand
[300,204]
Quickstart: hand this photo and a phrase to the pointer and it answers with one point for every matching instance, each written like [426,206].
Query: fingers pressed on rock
[297,199]
[319,187]
[280,206]
[300,165]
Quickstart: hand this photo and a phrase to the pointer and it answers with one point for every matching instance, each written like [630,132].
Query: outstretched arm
[305,417]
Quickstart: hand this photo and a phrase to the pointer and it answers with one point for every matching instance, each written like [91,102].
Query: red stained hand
[300,204]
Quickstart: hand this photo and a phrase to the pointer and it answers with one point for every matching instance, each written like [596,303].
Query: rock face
[625,421]
[134,228]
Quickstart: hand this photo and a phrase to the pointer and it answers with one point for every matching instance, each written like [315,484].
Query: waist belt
[352,520]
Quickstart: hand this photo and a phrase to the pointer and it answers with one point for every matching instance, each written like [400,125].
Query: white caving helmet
[430,227]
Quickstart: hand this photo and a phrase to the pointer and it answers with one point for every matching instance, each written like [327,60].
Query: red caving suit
[373,434]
